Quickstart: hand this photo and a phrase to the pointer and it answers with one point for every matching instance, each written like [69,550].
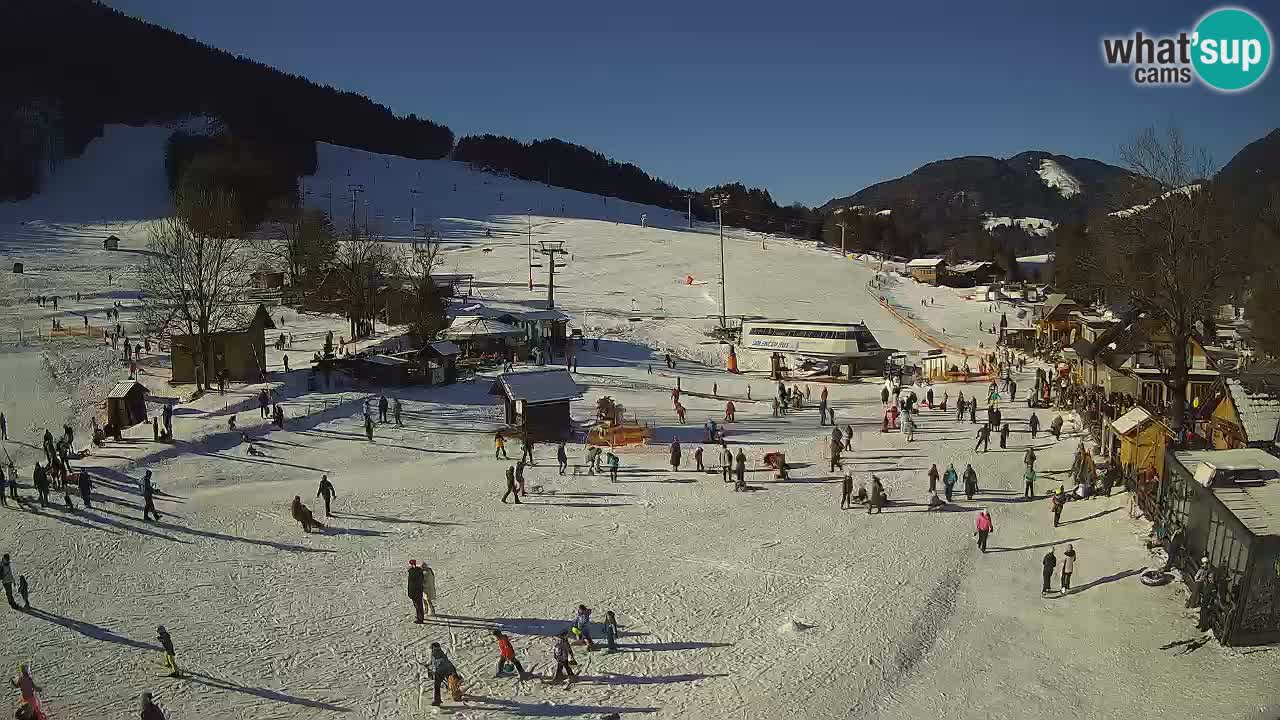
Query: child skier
[170,657]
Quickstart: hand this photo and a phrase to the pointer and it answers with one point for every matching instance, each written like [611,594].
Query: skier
[500,446]
[984,438]
[1047,565]
[1068,567]
[148,709]
[949,479]
[511,485]
[1004,436]
[1034,422]
[170,657]
[397,409]
[933,478]
[368,426]
[383,406]
[1056,427]
[582,626]
[970,478]
[417,587]
[562,653]
[562,458]
[444,673]
[982,528]
[148,498]
[327,492]
[675,455]
[507,656]
[846,491]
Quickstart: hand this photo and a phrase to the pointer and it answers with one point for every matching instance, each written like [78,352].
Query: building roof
[926,262]
[1256,503]
[552,314]
[470,326]
[386,360]
[1257,403]
[1084,349]
[122,389]
[1035,259]
[968,267]
[1053,302]
[443,348]
[1130,421]
[537,386]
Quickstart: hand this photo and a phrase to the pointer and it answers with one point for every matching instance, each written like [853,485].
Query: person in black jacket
[417,586]
[327,492]
[1049,562]
[148,709]
[86,488]
[442,669]
[1004,436]
[40,477]
[512,490]
[562,457]
[170,657]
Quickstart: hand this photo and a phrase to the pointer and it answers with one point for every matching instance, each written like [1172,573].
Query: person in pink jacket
[982,528]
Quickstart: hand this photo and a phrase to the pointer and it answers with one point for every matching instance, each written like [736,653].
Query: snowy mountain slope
[1055,176]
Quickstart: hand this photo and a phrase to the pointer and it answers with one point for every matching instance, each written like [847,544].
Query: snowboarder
[383,406]
[675,455]
[562,653]
[417,588]
[507,656]
[984,438]
[1056,427]
[6,579]
[846,491]
[170,657]
[1004,436]
[1068,567]
[982,528]
[511,485]
[397,411]
[562,458]
[500,446]
[933,478]
[148,498]
[1047,565]
[970,478]
[444,673]
[1034,423]
[327,492]
[949,479]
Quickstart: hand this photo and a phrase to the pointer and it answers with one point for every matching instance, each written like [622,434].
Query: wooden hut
[111,243]
[440,362]
[927,270]
[240,350]
[127,404]
[537,402]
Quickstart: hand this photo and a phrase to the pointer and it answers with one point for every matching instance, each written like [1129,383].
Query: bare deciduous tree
[418,265]
[1173,258]
[360,264]
[196,281]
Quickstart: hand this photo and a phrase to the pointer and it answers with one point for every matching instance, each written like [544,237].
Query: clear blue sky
[809,99]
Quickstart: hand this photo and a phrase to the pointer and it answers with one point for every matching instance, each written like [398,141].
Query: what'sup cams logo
[1229,51]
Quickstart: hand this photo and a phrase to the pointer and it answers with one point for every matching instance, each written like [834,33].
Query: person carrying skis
[443,672]
[982,527]
[562,653]
[170,657]
[949,479]
[970,478]
[507,656]
[327,492]
[562,458]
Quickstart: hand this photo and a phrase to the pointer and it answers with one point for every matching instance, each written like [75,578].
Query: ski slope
[764,604]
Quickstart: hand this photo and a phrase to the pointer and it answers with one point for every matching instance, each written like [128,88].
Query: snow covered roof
[386,360]
[544,315]
[538,386]
[1258,406]
[444,348]
[926,262]
[1130,421]
[968,267]
[1036,259]
[1255,501]
[123,388]
[467,326]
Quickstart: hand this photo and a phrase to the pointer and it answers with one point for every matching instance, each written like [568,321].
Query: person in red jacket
[729,412]
[507,655]
[982,527]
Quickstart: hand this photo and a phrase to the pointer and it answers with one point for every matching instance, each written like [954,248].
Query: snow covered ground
[762,604]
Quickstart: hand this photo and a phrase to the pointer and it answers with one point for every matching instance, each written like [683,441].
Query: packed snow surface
[904,618]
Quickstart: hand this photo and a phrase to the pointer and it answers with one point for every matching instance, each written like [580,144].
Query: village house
[1242,412]
[927,270]
[536,402]
[240,350]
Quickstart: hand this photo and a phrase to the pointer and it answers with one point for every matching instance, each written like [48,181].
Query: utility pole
[689,214]
[413,209]
[529,244]
[842,225]
[719,201]
[355,188]
[552,248]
